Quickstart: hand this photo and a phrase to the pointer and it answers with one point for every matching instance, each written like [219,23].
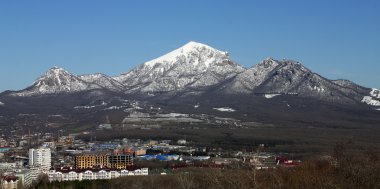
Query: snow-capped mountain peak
[204,53]
[56,80]
[55,75]
[193,65]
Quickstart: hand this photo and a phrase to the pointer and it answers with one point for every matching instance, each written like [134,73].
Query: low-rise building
[9,182]
[7,166]
[140,152]
[181,142]
[26,176]
[92,174]
[4,149]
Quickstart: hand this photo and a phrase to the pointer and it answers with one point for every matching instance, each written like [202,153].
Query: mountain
[56,80]
[290,77]
[103,81]
[196,68]
[193,66]
[196,79]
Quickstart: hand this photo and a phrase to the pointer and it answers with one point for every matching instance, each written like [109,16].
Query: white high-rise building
[40,157]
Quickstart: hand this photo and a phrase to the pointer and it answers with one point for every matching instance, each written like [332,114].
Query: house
[181,142]
[70,174]
[9,182]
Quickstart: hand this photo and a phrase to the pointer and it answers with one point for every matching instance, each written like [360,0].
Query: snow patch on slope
[90,106]
[115,107]
[84,107]
[224,109]
[370,101]
[319,89]
[375,93]
[1,103]
[271,95]
[373,99]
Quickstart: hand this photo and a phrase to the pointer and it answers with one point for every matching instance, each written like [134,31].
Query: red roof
[10,178]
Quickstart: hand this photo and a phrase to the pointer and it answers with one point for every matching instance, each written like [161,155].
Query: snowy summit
[193,65]
[55,80]
[204,53]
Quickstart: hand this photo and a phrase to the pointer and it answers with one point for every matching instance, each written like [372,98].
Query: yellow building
[140,152]
[85,161]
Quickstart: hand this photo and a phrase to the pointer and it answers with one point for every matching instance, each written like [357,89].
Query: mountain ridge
[196,68]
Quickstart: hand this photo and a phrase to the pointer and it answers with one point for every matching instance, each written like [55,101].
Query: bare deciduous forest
[345,169]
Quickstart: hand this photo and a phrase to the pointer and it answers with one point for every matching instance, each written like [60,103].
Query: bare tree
[186,180]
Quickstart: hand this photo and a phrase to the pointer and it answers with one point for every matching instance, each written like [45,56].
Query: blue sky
[337,39]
